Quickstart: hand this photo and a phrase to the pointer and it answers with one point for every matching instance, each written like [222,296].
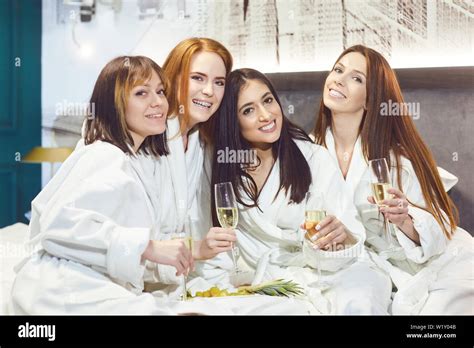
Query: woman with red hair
[196,69]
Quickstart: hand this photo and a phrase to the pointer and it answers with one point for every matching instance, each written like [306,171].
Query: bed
[12,251]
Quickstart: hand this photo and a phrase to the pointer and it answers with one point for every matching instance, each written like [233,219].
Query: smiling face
[206,86]
[345,89]
[146,110]
[259,114]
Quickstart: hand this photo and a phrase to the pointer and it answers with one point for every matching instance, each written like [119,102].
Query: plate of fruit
[279,287]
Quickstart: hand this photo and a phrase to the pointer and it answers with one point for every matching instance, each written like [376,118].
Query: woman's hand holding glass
[329,233]
[395,211]
[217,240]
[323,231]
[381,183]
[392,202]
[173,252]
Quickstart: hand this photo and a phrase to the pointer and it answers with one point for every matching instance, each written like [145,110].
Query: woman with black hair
[270,193]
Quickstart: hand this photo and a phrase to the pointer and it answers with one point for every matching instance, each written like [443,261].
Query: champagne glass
[227,213]
[187,239]
[314,213]
[380,183]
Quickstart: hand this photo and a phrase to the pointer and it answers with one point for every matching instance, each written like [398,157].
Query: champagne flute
[187,239]
[380,183]
[314,213]
[227,213]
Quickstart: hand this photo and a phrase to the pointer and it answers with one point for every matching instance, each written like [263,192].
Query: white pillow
[448,179]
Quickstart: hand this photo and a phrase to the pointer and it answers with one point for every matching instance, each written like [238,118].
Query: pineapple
[278,287]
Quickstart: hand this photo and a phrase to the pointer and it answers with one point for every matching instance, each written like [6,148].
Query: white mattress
[12,251]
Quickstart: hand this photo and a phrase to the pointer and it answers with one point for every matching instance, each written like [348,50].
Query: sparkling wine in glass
[314,214]
[227,213]
[187,239]
[380,183]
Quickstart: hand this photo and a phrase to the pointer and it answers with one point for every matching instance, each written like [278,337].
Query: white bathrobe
[270,242]
[436,277]
[179,178]
[90,226]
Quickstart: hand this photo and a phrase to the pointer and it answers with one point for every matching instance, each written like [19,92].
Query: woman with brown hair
[430,258]
[95,227]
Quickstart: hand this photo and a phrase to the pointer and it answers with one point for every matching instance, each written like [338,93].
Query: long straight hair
[176,69]
[295,175]
[110,98]
[381,135]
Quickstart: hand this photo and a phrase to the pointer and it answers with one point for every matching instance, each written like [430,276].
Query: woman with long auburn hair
[271,194]
[430,258]
[196,69]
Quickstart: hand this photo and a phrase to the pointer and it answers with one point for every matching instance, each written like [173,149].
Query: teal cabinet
[20,106]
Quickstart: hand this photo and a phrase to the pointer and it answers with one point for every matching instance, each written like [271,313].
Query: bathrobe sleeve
[432,238]
[94,213]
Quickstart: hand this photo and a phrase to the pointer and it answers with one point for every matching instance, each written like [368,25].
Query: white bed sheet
[12,251]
